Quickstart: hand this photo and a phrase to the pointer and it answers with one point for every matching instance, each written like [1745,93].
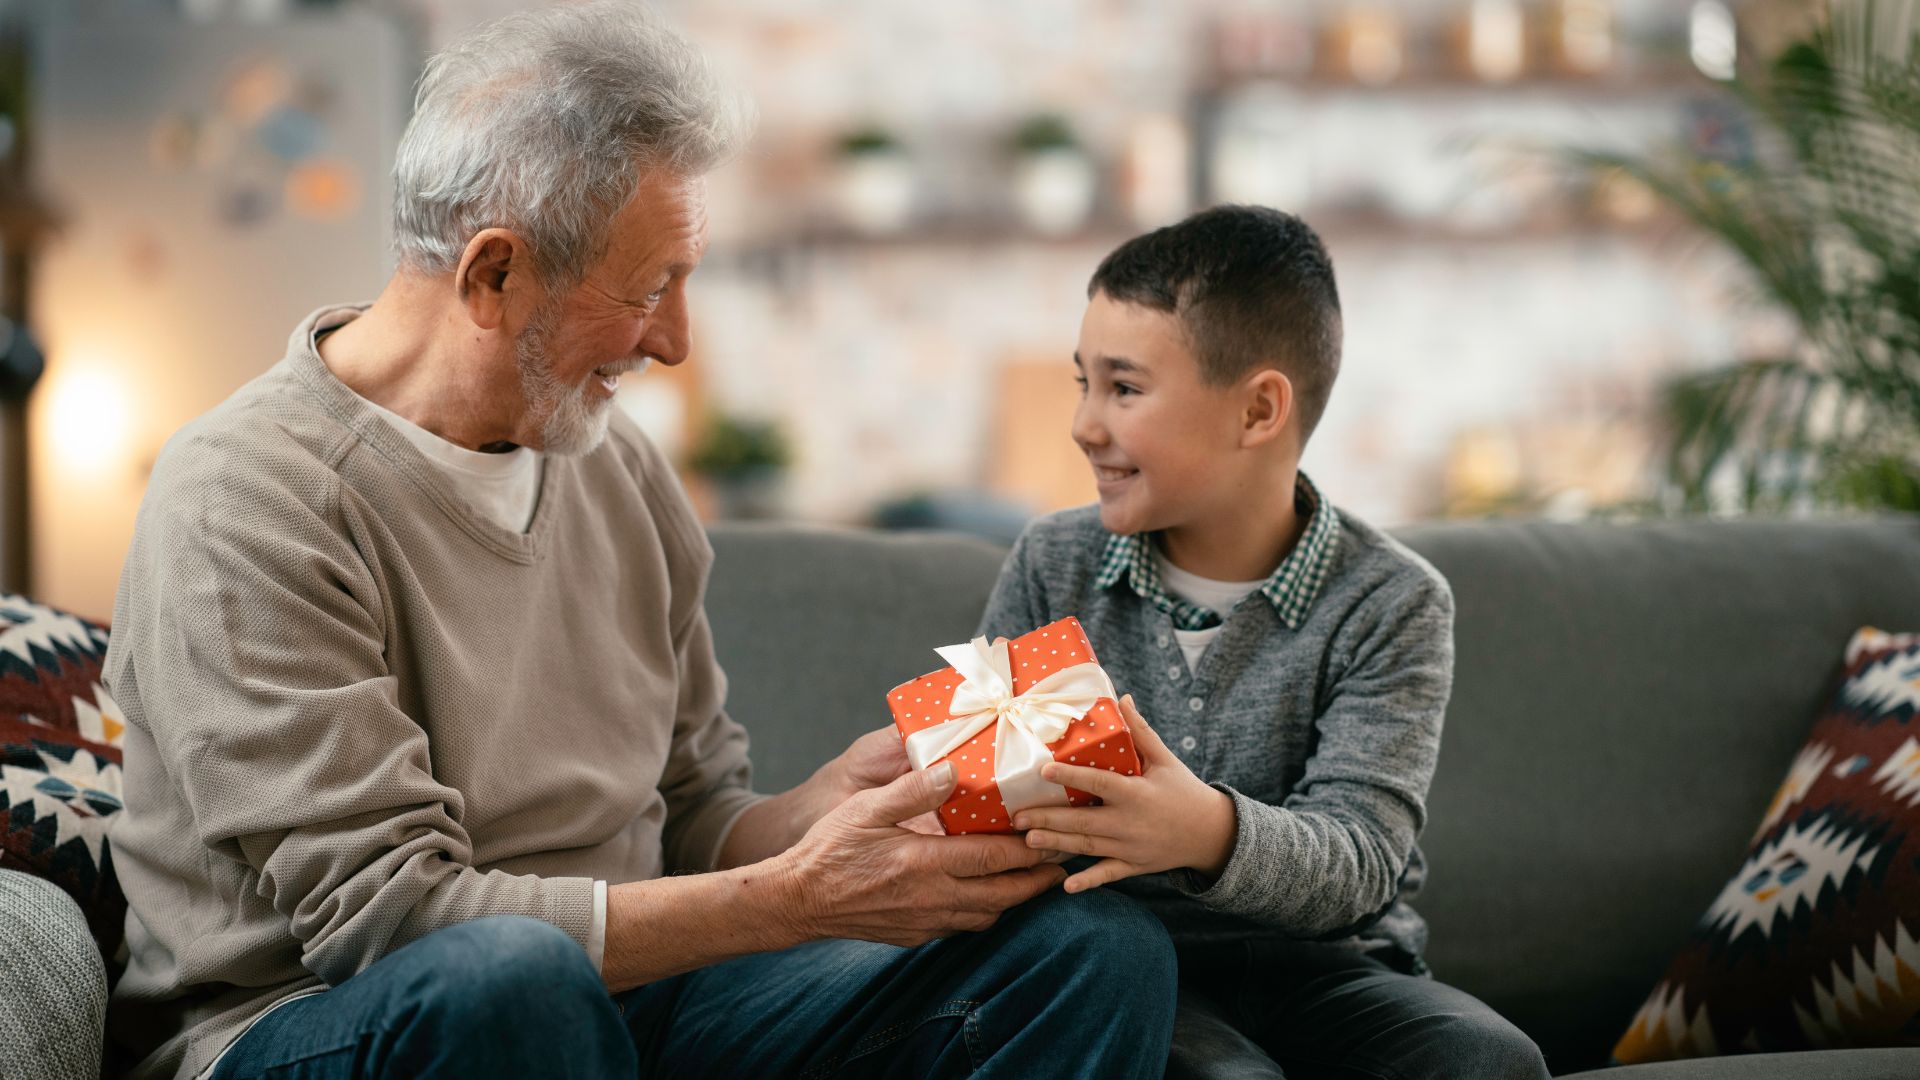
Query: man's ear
[494,270]
[1268,394]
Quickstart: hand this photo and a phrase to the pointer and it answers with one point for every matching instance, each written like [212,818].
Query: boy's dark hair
[1252,286]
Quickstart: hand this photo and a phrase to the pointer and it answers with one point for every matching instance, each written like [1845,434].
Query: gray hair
[542,122]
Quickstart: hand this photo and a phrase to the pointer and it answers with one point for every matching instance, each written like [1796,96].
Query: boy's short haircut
[1252,287]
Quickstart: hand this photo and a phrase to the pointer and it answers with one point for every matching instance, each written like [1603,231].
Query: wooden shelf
[1660,82]
[1337,227]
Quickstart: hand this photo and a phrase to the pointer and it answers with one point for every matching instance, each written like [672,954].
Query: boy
[1292,655]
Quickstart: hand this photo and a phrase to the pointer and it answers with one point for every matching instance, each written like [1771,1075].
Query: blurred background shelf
[911,232]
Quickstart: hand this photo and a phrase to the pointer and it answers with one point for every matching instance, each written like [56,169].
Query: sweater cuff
[597,936]
[570,907]
[1234,889]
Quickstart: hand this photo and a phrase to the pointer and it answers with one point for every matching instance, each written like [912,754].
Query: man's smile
[609,374]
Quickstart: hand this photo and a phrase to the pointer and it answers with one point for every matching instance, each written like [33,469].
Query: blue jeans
[1062,986]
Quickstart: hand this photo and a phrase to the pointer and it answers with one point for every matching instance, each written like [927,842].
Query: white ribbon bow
[1024,723]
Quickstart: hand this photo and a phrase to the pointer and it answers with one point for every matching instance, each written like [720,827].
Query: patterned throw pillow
[59,759]
[1815,943]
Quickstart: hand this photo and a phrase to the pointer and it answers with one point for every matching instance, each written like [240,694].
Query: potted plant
[1825,216]
[1054,182]
[745,463]
[875,182]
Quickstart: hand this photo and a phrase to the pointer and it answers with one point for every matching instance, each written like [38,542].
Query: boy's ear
[1269,407]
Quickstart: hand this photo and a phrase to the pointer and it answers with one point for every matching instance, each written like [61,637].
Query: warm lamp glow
[1712,39]
[88,414]
[1586,35]
[1374,47]
[1497,39]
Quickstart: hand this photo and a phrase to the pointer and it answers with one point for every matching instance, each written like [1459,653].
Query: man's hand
[1162,819]
[774,825]
[875,759]
[859,874]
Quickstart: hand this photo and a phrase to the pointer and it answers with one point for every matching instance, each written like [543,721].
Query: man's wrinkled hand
[858,873]
[875,759]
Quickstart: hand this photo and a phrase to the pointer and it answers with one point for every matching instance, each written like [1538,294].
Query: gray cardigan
[1325,737]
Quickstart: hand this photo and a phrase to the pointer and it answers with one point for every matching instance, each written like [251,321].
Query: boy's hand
[1160,820]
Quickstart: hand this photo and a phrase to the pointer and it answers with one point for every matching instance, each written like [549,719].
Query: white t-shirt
[504,486]
[1218,597]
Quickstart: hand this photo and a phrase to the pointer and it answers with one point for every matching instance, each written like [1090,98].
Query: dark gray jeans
[1262,1010]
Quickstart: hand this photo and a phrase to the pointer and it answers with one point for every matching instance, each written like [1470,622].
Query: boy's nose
[1087,429]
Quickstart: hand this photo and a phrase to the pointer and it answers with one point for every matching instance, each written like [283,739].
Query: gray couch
[1627,699]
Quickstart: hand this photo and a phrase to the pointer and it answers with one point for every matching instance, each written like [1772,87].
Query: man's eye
[656,296]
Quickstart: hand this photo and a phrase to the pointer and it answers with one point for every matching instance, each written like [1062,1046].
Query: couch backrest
[1627,698]
[814,626]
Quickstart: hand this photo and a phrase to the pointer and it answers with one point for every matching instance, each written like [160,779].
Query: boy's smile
[1160,440]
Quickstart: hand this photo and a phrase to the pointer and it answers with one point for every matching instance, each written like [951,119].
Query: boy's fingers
[1073,843]
[1092,820]
[1101,873]
[1144,737]
[1102,783]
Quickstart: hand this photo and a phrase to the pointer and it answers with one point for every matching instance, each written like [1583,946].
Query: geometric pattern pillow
[1815,943]
[60,739]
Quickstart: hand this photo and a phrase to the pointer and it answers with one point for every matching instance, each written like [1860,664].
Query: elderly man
[424,709]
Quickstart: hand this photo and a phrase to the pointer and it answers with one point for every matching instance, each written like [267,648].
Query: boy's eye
[1081,382]
[1123,389]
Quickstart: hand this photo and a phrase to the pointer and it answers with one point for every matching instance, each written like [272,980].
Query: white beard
[573,424]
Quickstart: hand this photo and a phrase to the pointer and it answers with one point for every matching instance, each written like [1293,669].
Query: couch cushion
[1626,696]
[1811,944]
[59,759]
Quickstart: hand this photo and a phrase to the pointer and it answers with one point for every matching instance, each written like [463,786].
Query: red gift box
[1054,656]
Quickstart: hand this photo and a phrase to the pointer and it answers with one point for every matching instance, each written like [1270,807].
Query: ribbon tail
[1018,756]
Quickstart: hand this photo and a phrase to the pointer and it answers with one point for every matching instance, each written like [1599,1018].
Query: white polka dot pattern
[923,702]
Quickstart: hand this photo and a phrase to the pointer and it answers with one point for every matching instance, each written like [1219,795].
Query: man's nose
[669,336]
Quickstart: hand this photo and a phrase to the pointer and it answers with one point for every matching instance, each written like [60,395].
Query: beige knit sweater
[360,711]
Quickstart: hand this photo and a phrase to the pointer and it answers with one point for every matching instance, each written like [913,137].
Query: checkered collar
[1292,588]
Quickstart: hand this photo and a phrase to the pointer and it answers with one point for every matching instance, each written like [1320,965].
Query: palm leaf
[1826,219]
